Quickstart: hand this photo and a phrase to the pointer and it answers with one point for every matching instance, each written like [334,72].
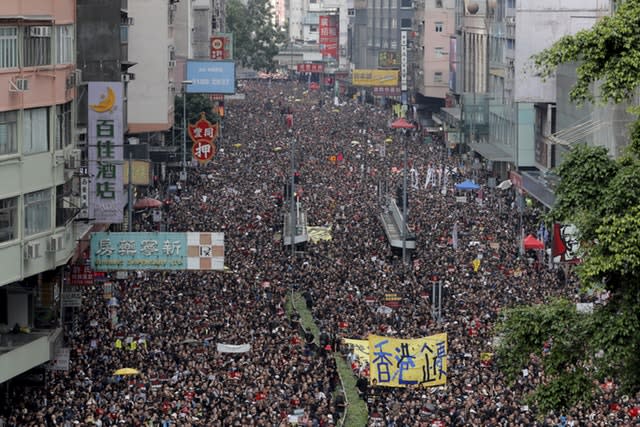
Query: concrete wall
[432,63]
[64,11]
[539,23]
[149,94]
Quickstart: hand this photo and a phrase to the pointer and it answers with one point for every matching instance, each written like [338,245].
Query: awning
[492,152]
[452,113]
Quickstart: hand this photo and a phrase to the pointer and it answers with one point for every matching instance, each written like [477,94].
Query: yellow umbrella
[277,148]
[237,145]
[126,371]
[388,140]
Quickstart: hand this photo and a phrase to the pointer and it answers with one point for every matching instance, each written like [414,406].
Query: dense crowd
[168,325]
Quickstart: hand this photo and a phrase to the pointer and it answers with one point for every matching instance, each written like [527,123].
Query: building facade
[38,232]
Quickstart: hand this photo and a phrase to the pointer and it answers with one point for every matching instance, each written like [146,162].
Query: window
[8,47]
[439,52]
[37,212]
[124,34]
[8,219]
[406,3]
[437,77]
[439,4]
[64,43]
[313,28]
[35,131]
[37,46]
[63,125]
[405,23]
[65,210]
[8,132]
[439,27]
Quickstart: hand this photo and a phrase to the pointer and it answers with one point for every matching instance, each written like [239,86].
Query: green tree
[256,39]
[602,197]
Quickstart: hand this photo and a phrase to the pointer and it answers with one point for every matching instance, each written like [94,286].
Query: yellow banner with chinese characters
[360,348]
[400,362]
[378,78]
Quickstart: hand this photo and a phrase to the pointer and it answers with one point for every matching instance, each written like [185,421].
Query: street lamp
[184,83]
[403,125]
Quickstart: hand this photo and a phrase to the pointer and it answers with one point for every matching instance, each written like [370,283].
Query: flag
[558,247]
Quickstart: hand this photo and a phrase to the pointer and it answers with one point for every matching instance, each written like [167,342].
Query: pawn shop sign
[203,134]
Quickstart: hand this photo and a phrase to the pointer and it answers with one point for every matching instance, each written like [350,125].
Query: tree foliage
[602,197]
[196,103]
[256,38]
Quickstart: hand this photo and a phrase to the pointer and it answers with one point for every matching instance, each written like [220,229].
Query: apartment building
[38,231]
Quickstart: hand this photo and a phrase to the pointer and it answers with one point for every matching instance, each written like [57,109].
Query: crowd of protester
[167,325]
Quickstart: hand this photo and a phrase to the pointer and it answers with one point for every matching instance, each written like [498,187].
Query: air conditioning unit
[18,84]
[56,243]
[74,159]
[22,84]
[74,79]
[32,250]
[172,64]
[40,31]
[130,21]
[127,77]
[510,20]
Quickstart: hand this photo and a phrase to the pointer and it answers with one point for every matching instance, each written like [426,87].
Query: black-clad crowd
[169,325]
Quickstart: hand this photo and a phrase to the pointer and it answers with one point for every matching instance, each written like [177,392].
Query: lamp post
[403,125]
[293,220]
[184,128]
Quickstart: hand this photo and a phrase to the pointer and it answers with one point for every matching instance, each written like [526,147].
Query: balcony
[21,352]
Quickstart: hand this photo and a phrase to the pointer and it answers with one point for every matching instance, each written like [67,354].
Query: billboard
[453,64]
[157,251]
[221,46]
[372,78]
[328,37]
[140,172]
[310,68]
[105,152]
[388,59]
[211,76]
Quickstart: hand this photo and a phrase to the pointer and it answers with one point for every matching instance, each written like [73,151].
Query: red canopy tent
[531,242]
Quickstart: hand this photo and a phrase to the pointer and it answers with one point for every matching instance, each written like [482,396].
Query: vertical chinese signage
[105,117]
[203,134]
[221,46]
[403,63]
[329,36]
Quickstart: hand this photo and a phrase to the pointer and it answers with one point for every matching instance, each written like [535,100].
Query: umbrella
[126,371]
[467,185]
[147,202]
[402,123]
